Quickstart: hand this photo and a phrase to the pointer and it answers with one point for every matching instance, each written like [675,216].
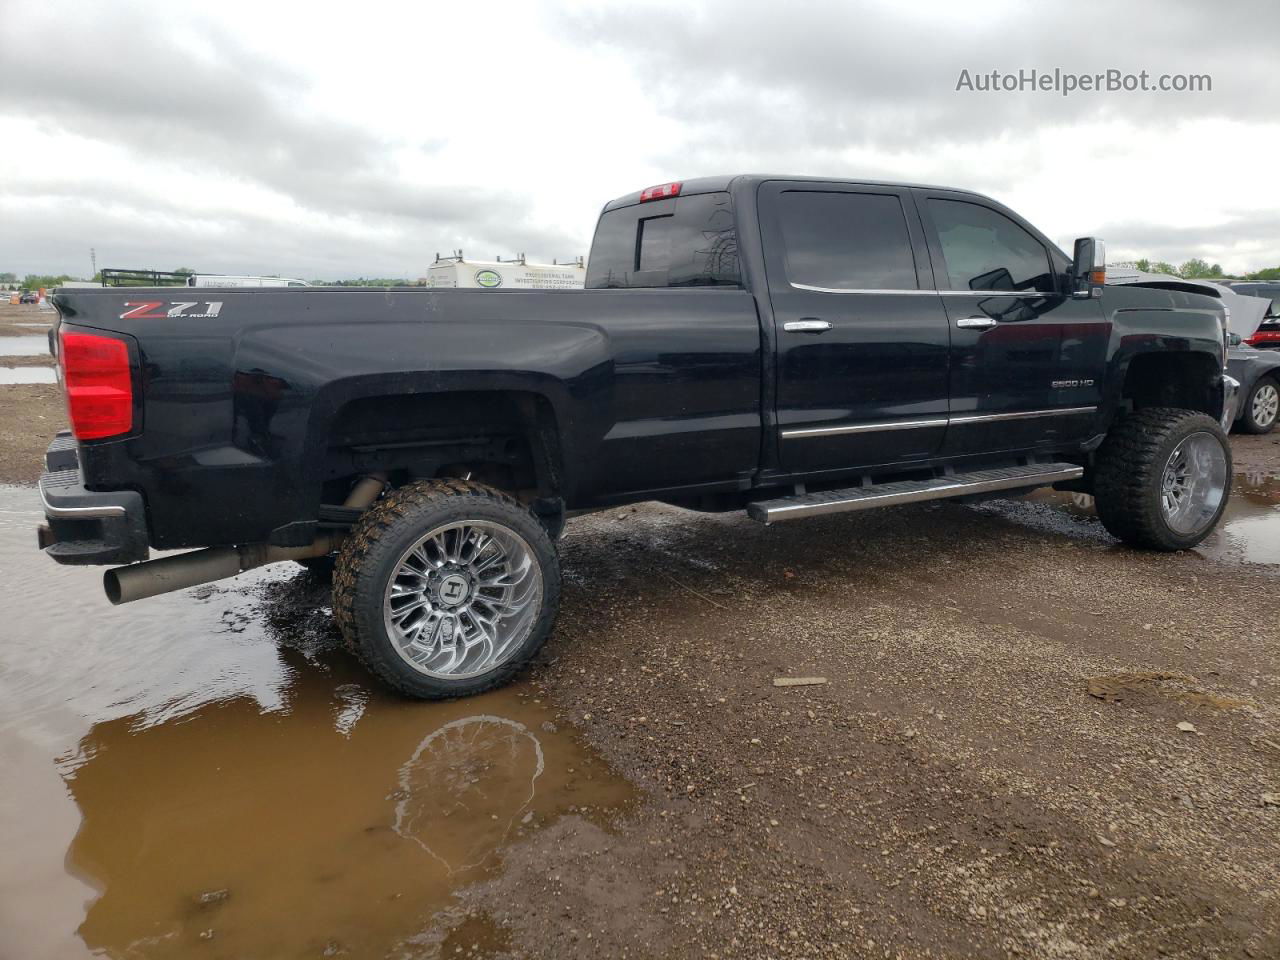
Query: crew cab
[786,346]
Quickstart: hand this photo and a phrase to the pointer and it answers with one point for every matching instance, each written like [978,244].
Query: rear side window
[680,242]
[846,241]
[985,250]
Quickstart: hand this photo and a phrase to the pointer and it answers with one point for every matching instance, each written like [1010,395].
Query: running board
[911,491]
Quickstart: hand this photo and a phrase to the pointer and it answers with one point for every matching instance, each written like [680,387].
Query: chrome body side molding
[959,420]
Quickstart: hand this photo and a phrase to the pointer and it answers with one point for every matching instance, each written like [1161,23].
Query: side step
[910,491]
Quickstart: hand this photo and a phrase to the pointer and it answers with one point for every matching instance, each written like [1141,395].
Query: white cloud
[335,141]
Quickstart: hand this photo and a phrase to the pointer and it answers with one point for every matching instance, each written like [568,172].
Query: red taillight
[660,192]
[99,385]
[1262,337]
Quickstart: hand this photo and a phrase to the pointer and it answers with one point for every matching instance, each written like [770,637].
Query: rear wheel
[1261,407]
[1162,478]
[446,588]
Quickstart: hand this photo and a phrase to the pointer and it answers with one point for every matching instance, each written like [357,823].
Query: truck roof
[722,183]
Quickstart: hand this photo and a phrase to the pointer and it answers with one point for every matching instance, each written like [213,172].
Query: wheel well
[1188,381]
[507,439]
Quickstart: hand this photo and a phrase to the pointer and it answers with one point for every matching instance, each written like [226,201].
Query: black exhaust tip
[111,586]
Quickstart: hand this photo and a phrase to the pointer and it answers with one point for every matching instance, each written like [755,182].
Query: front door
[1027,359]
[862,335]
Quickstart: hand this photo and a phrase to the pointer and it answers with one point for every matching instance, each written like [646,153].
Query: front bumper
[83,526]
[1230,400]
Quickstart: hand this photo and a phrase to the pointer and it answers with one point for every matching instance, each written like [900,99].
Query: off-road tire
[1129,469]
[369,554]
[1248,422]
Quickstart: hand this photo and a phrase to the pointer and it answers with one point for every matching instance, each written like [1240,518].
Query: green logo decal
[489,278]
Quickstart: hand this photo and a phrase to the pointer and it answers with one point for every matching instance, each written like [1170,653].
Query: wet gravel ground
[994,767]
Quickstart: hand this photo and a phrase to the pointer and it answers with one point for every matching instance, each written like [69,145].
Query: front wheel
[1261,407]
[446,588]
[1162,478]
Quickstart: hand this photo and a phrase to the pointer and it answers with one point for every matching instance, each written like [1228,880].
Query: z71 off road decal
[159,309]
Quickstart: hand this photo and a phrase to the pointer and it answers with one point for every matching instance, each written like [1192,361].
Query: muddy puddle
[11,375]
[209,773]
[24,346]
[1249,532]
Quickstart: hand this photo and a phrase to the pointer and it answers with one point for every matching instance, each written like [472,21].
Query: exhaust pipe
[141,580]
[137,581]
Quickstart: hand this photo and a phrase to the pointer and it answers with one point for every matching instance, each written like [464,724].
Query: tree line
[1197,269]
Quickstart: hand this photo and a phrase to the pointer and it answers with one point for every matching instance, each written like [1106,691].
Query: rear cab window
[846,241]
[684,241]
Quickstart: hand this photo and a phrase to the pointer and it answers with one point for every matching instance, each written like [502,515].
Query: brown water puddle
[209,773]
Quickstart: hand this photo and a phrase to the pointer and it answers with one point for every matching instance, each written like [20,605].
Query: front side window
[846,241]
[679,242]
[985,250]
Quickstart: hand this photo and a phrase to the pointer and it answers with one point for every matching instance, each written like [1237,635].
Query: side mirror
[1088,268]
[998,279]
[1234,339]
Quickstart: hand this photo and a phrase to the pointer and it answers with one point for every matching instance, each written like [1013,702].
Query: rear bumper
[83,526]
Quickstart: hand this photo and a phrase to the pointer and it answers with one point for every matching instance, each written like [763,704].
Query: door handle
[975,323]
[807,325]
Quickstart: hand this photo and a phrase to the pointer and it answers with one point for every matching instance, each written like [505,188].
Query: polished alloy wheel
[462,599]
[1194,483]
[1266,405]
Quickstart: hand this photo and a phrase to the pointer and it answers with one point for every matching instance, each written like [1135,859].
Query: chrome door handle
[809,325]
[975,323]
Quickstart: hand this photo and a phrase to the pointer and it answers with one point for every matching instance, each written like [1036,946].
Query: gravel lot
[994,767]
[1030,741]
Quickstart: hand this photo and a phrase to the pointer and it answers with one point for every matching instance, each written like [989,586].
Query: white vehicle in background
[456,271]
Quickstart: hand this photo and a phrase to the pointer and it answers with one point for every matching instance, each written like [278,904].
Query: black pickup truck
[784,345]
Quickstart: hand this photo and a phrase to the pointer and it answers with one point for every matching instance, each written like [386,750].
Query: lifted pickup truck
[783,345]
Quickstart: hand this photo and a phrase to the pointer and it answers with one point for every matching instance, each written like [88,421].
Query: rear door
[862,336]
[1027,359]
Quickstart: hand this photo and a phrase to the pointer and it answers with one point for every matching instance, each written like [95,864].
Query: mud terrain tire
[1130,477]
[384,539]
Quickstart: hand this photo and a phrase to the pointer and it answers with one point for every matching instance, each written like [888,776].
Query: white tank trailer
[517,274]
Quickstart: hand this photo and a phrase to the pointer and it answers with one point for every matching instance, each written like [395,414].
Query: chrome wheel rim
[1194,484]
[1266,405]
[462,600]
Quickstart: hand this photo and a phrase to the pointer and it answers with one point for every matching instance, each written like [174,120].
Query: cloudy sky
[332,140]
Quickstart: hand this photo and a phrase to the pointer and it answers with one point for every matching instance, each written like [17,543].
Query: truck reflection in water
[339,823]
